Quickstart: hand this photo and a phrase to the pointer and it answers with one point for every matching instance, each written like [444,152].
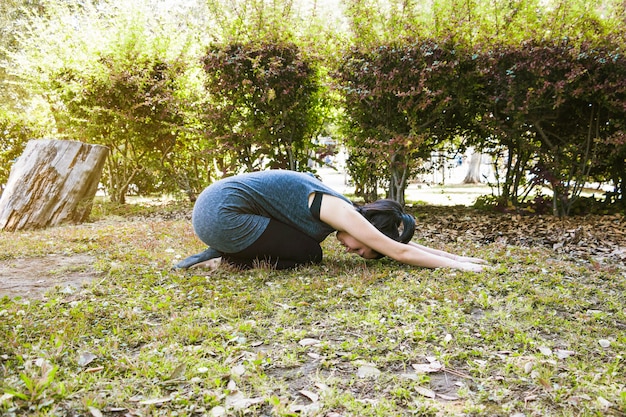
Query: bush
[15,131]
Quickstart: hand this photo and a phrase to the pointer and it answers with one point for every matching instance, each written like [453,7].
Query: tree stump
[52,182]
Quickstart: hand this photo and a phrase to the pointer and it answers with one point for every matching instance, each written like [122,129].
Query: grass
[541,334]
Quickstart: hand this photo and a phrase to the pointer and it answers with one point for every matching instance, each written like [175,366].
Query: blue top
[232,213]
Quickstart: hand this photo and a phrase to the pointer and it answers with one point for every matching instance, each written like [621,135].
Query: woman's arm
[448,255]
[343,217]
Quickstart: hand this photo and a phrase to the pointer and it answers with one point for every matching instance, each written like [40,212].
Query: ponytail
[408,228]
[390,219]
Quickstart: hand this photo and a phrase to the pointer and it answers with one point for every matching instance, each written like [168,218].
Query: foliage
[511,23]
[488,28]
[402,100]
[20,118]
[129,106]
[15,131]
[133,92]
[12,18]
[244,21]
[266,104]
[553,105]
[381,22]
[414,77]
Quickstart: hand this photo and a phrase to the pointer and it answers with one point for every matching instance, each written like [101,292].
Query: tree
[413,88]
[15,132]
[127,101]
[20,118]
[112,76]
[407,98]
[381,128]
[267,102]
[473,169]
[13,16]
[554,102]
[607,77]
[383,22]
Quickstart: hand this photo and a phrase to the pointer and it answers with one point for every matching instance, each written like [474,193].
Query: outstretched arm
[448,255]
[343,217]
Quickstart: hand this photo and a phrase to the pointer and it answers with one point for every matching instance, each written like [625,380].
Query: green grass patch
[541,333]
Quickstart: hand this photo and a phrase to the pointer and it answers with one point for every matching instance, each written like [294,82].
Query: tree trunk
[473,172]
[399,172]
[53,181]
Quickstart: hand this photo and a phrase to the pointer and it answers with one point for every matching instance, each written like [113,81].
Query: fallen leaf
[425,392]
[427,368]
[367,371]
[238,370]
[528,367]
[322,387]
[154,401]
[217,411]
[179,371]
[85,358]
[578,399]
[448,397]
[545,351]
[564,354]
[545,383]
[604,403]
[94,411]
[370,401]
[310,395]
[309,342]
[5,397]
[238,401]
[307,410]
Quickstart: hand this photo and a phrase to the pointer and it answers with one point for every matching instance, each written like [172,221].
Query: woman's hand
[470,259]
[468,266]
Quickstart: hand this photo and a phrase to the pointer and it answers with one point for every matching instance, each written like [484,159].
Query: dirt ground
[32,278]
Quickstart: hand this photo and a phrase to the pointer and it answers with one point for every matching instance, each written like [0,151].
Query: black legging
[281,246]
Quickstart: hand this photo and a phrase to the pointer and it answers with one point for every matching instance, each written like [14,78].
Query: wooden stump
[52,182]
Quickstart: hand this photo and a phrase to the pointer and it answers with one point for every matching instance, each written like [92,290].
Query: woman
[281,217]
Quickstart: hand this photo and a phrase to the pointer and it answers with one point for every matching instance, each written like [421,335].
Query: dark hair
[389,217]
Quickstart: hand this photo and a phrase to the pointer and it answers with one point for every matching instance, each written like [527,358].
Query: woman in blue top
[281,217]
